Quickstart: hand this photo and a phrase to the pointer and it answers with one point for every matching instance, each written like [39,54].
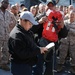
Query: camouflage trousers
[4,55]
[63,50]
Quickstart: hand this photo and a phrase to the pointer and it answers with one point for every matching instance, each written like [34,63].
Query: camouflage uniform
[68,43]
[6,22]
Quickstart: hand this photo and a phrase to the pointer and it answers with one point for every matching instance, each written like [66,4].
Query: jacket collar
[22,29]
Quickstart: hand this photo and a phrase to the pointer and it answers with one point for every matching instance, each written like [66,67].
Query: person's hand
[42,20]
[43,50]
[61,22]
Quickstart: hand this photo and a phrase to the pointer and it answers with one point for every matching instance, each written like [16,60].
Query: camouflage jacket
[6,19]
[70,39]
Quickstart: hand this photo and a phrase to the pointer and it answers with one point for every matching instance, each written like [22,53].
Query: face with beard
[5,4]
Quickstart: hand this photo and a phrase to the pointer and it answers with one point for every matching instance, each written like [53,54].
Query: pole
[70,2]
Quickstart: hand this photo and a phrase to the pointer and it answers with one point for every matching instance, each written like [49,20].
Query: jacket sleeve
[39,27]
[63,32]
[22,50]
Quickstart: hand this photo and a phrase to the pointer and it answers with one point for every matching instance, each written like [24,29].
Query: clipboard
[50,45]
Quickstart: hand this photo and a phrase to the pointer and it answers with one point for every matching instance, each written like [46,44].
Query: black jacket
[22,46]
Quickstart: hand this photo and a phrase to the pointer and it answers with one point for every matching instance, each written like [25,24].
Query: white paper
[50,45]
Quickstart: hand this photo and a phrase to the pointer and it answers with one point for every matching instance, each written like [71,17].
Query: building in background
[73,1]
[14,1]
[64,2]
[22,2]
[11,2]
[29,3]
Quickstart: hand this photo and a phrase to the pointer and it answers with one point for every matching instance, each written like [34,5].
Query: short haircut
[22,5]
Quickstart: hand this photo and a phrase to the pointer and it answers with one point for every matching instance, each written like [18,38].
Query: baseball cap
[28,16]
[51,1]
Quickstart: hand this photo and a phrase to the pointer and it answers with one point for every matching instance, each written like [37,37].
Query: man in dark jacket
[22,47]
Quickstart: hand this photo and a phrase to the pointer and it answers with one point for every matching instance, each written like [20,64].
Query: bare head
[4,4]
[71,7]
[72,16]
[41,8]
